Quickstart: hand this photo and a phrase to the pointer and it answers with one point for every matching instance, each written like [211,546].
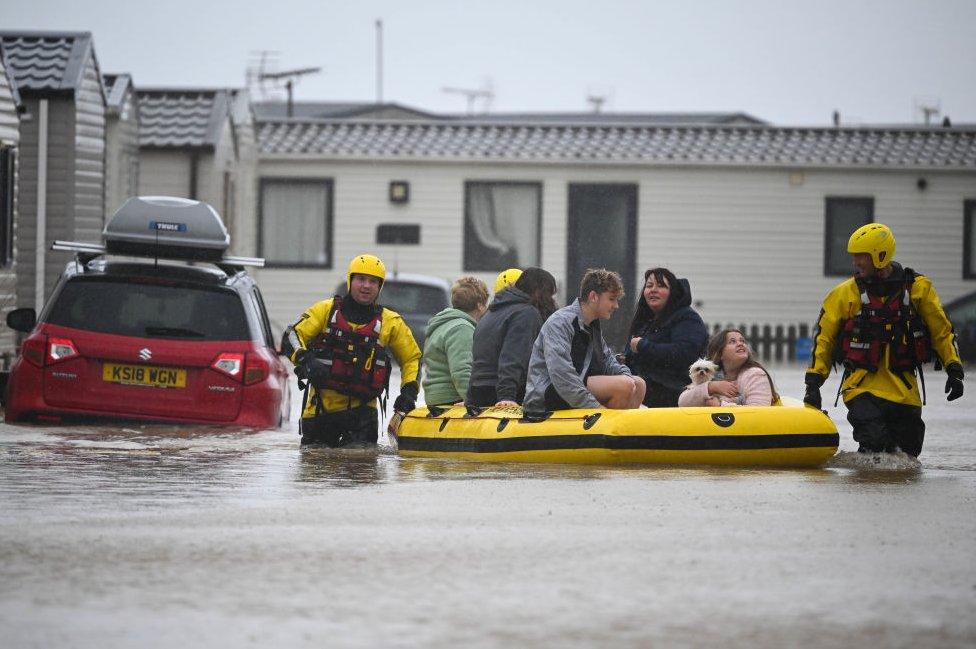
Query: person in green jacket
[447,350]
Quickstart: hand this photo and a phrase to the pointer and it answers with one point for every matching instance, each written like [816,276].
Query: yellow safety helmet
[876,240]
[507,278]
[365,265]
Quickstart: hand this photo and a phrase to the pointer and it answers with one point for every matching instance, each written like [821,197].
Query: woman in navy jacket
[667,336]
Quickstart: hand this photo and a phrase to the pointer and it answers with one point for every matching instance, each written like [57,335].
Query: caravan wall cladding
[760,246]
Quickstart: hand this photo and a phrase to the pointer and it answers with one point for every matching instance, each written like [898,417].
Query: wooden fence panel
[772,344]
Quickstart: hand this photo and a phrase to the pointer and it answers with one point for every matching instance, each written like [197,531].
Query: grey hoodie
[557,362]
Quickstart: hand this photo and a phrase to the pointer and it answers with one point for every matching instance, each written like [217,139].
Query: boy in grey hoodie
[571,365]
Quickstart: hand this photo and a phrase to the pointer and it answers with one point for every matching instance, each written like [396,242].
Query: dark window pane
[153,309]
[969,240]
[501,225]
[843,216]
[7,178]
[263,316]
[412,298]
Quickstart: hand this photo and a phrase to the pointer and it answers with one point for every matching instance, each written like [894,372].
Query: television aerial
[261,61]
[599,97]
[289,77]
[927,107]
[486,94]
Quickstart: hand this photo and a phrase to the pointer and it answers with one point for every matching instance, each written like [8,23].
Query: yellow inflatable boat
[789,435]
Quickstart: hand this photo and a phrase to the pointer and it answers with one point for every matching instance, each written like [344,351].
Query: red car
[159,341]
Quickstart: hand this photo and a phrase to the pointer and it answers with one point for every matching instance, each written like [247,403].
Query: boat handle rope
[723,419]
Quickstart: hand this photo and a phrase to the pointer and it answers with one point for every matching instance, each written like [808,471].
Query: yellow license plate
[157,377]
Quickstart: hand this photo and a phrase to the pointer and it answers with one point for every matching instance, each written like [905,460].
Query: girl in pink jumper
[743,381]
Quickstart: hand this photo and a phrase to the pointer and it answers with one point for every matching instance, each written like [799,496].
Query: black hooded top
[671,343]
[502,345]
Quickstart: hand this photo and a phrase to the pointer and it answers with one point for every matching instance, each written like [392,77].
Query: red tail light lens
[33,351]
[60,349]
[256,369]
[229,363]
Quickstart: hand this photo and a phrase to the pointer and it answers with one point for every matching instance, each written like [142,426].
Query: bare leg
[617,392]
[639,391]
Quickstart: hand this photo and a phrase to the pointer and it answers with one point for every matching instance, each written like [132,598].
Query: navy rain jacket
[667,349]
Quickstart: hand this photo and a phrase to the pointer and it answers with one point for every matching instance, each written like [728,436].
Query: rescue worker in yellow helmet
[883,324]
[507,278]
[342,346]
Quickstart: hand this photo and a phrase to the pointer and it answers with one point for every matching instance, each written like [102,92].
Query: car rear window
[963,311]
[150,308]
[413,298]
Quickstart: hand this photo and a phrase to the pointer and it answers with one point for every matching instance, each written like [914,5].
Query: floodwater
[193,537]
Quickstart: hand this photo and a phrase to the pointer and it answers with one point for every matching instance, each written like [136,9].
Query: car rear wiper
[173,332]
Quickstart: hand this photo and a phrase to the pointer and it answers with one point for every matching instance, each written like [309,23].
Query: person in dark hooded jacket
[667,336]
[504,337]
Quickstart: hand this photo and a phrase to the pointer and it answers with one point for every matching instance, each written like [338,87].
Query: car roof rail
[232,265]
[85,252]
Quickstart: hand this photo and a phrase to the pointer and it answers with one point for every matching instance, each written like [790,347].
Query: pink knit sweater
[754,390]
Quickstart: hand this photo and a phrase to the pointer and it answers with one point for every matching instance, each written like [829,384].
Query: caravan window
[502,222]
[296,222]
[843,216]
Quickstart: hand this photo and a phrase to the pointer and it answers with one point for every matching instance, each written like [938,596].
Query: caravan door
[602,233]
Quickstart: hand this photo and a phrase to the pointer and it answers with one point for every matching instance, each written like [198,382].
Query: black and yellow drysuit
[334,418]
[884,406]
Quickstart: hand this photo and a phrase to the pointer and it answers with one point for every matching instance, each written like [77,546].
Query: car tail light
[33,351]
[229,363]
[256,369]
[59,349]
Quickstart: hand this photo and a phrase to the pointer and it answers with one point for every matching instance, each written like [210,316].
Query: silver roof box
[164,226]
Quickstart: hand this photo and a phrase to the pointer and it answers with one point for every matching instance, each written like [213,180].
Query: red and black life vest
[360,365]
[890,322]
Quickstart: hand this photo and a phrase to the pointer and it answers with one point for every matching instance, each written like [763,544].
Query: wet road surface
[187,537]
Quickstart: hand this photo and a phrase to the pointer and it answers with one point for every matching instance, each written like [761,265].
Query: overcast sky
[787,62]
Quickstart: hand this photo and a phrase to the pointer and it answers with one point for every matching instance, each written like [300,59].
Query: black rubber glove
[812,396]
[407,400]
[954,382]
[301,360]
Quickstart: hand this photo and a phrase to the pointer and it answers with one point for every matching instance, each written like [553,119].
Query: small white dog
[701,371]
